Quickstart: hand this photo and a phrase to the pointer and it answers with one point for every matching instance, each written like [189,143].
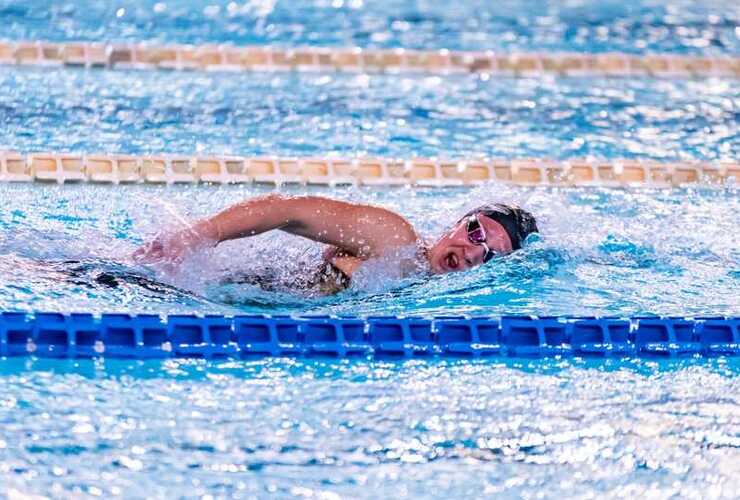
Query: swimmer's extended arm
[361,231]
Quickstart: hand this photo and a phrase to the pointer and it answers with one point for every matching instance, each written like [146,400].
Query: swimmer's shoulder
[394,229]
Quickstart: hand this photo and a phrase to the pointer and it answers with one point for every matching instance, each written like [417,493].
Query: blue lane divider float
[147,336]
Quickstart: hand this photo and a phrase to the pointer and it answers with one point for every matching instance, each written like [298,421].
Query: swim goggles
[477,236]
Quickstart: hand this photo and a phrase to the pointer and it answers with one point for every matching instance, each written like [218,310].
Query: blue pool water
[291,428]
[364,428]
[393,116]
[636,26]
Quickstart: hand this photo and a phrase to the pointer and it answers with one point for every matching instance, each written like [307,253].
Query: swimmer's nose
[470,262]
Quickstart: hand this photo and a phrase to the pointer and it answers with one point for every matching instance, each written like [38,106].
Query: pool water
[440,429]
[367,428]
[142,112]
[636,26]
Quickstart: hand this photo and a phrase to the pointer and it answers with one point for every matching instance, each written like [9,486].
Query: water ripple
[680,26]
[361,428]
[294,114]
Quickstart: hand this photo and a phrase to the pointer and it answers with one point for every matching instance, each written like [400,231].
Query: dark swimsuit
[327,280]
[111,275]
[332,279]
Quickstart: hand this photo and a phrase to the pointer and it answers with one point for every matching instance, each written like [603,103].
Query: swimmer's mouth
[451,261]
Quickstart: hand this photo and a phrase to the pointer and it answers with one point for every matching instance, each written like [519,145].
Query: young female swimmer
[355,233]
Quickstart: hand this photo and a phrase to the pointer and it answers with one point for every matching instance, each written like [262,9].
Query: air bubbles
[212,11]
[233,8]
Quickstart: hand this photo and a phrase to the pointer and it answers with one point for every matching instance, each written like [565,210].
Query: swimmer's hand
[170,249]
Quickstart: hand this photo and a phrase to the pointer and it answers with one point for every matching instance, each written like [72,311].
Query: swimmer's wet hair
[517,222]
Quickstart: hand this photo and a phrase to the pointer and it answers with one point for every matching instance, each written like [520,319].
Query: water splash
[601,251]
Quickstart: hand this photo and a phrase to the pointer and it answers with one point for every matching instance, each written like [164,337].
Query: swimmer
[355,233]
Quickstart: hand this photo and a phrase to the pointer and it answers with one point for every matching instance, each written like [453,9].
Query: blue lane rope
[145,336]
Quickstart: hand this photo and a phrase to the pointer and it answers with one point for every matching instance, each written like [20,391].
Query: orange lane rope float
[353,59]
[171,169]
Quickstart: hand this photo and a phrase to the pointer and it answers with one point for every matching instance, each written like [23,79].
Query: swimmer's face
[455,251]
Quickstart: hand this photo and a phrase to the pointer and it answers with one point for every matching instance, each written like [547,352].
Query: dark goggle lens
[477,236]
[475,232]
